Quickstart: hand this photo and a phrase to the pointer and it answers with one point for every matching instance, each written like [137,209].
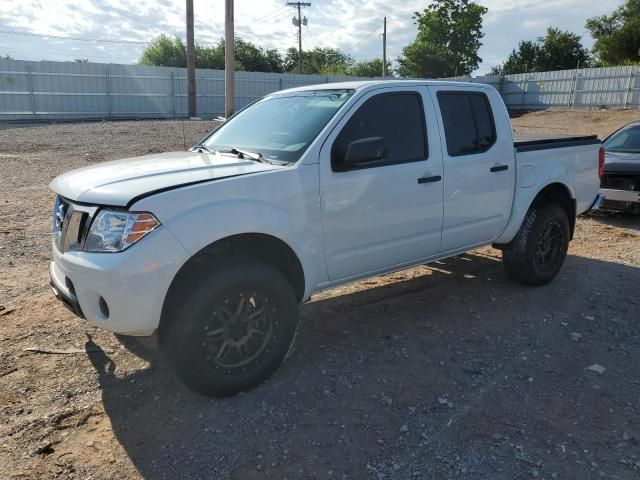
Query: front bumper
[64,292]
[627,196]
[131,284]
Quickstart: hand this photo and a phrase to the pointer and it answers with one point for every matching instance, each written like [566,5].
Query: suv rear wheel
[535,256]
[232,331]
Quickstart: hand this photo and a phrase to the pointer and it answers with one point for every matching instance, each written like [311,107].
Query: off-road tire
[192,340]
[522,257]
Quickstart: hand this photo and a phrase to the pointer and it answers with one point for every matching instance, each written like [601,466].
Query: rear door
[479,168]
[383,213]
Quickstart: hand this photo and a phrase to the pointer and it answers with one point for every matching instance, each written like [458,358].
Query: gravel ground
[442,372]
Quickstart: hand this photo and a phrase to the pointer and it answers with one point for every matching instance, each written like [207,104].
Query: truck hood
[119,182]
[621,162]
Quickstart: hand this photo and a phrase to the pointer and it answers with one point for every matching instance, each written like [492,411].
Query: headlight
[113,231]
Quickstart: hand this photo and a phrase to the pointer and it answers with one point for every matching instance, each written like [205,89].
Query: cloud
[352,26]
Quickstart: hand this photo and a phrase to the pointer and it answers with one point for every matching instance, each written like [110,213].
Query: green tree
[448,40]
[617,36]
[167,52]
[369,68]
[7,57]
[561,51]
[81,60]
[523,59]
[557,50]
[254,59]
[325,61]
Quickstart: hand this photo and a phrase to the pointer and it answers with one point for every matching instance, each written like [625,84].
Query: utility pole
[191,61]
[229,61]
[384,49]
[299,24]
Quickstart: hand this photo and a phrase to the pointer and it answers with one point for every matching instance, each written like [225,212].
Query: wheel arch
[559,194]
[259,246]
[553,192]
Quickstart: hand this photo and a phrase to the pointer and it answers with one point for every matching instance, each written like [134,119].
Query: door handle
[435,178]
[499,168]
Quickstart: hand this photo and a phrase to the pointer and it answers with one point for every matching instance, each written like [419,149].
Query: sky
[352,26]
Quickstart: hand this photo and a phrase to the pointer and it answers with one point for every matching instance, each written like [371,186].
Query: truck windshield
[280,127]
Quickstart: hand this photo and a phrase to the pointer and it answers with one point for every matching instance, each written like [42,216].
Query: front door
[385,212]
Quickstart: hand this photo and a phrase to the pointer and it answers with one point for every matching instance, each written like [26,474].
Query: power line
[276,19]
[279,18]
[78,39]
[365,38]
[313,39]
[273,14]
[334,54]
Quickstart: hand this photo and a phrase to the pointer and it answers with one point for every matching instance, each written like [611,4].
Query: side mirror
[365,150]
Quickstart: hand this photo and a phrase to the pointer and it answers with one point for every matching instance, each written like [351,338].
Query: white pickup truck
[301,191]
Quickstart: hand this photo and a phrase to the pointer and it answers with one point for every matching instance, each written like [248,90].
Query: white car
[304,190]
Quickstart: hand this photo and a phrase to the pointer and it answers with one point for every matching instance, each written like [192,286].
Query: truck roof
[364,84]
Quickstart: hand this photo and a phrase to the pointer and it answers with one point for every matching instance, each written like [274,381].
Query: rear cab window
[468,122]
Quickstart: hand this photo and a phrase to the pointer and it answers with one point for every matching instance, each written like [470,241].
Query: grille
[70,224]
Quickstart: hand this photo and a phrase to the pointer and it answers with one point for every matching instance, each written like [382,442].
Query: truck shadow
[377,355]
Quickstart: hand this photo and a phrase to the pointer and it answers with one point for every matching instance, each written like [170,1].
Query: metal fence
[68,91]
[610,87]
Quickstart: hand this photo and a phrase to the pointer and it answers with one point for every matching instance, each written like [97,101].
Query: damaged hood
[119,182]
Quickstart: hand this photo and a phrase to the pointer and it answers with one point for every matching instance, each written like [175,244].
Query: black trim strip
[548,143]
[137,198]
[499,168]
[71,302]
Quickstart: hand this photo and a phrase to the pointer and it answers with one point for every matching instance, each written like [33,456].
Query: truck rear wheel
[233,330]
[534,257]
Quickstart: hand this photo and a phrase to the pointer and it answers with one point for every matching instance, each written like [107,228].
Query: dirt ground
[442,372]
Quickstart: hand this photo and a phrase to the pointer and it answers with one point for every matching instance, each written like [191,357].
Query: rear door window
[468,122]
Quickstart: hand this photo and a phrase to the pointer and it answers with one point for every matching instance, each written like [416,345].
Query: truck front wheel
[537,253]
[233,330]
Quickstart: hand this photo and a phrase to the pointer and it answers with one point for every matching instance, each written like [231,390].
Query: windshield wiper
[257,156]
[241,153]
[202,146]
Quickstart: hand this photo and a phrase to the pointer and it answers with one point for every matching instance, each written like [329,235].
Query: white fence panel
[67,91]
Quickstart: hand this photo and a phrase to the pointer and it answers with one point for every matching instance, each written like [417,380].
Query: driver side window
[397,119]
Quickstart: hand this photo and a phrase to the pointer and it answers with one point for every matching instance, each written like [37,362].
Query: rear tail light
[601,163]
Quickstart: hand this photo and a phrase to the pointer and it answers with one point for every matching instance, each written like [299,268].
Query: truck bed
[527,143]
